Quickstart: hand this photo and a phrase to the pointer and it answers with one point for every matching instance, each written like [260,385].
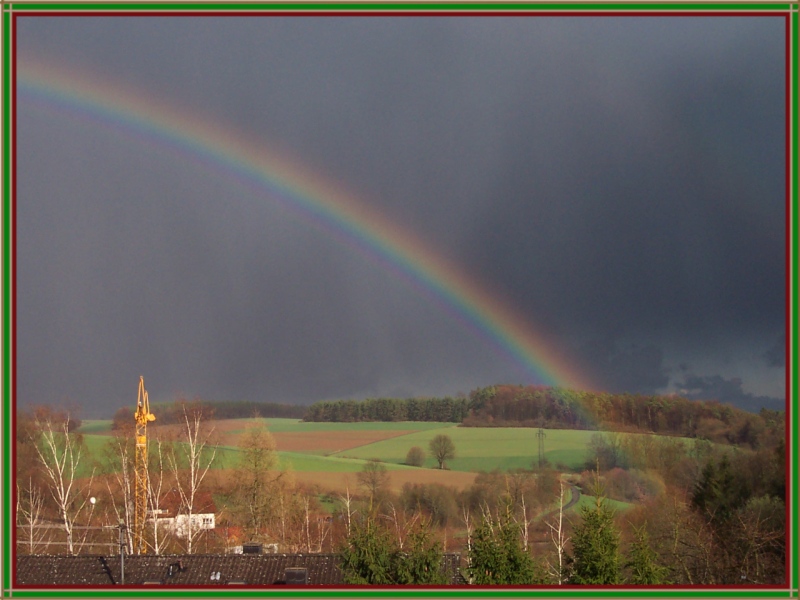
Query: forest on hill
[518,406]
[172,412]
[560,408]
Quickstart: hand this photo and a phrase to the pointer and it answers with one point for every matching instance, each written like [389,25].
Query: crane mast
[142,416]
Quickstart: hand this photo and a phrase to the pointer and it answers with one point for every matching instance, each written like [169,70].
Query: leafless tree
[347,501]
[559,538]
[255,481]
[190,461]
[307,510]
[760,533]
[402,524]
[30,504]
[156,489]
[442,448]
[60,454]
[374,478]
[525,523]
[468,525]
[323,530]
[120,452]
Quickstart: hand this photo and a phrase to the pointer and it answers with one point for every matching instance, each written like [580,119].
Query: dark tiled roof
[189,569]
[71,570]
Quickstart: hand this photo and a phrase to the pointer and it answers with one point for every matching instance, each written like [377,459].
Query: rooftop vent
[251,548]
[296,576]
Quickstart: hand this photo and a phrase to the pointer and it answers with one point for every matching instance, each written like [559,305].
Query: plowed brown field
[339,481]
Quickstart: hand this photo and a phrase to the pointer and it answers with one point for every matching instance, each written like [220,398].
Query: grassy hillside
[95,426]
[485,449]
[296,426]
[344,447]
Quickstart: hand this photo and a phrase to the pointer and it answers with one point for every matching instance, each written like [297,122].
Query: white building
[179,524]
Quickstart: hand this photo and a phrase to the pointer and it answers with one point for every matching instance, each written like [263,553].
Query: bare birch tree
[60,455]
[190,460]
[120,452]
[323,530]
[465,516]
[347,502]
[307,510]
[30,504]
[559,538]
[156,491]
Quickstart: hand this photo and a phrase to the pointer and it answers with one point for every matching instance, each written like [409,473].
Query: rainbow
[319,200]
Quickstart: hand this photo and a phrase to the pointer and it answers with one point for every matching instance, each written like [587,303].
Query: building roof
[188,569]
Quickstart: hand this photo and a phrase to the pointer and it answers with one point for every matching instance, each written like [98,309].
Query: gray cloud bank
[618,180]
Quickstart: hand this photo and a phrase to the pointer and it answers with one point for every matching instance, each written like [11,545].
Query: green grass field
[477,449]
[332,464]
[95,426]
[297,426]
[485,448]
[590,502]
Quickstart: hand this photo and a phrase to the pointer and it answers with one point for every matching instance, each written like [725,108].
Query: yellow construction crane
[142,416]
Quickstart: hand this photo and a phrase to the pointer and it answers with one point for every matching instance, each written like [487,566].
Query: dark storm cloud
[716,387]
[776,355]
[635,368]
[619,181]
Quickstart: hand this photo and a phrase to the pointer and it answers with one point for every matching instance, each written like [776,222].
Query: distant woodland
[559,408]
[522,406]
[172,412]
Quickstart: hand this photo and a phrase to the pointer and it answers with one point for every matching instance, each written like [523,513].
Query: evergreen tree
[642,562]
[715,493]
[497,556]
[371,555]
[421,561]
[595,545]
[367,555]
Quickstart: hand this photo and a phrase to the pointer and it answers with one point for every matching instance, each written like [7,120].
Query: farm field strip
[296,426]
[486,448]
[591,502]
[322,447]
[477,449]
[341,481]
[332,442]
[95,426]
[311,462]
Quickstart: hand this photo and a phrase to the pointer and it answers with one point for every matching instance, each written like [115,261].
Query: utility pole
[121,552]
[541,435]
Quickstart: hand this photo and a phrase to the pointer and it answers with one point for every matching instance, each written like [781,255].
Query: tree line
[172,412]
[554,407]
[447,409]
[561,408]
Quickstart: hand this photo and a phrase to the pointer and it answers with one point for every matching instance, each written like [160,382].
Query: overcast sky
[618,181]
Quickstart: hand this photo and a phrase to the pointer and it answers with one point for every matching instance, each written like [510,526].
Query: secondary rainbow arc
[317,198]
